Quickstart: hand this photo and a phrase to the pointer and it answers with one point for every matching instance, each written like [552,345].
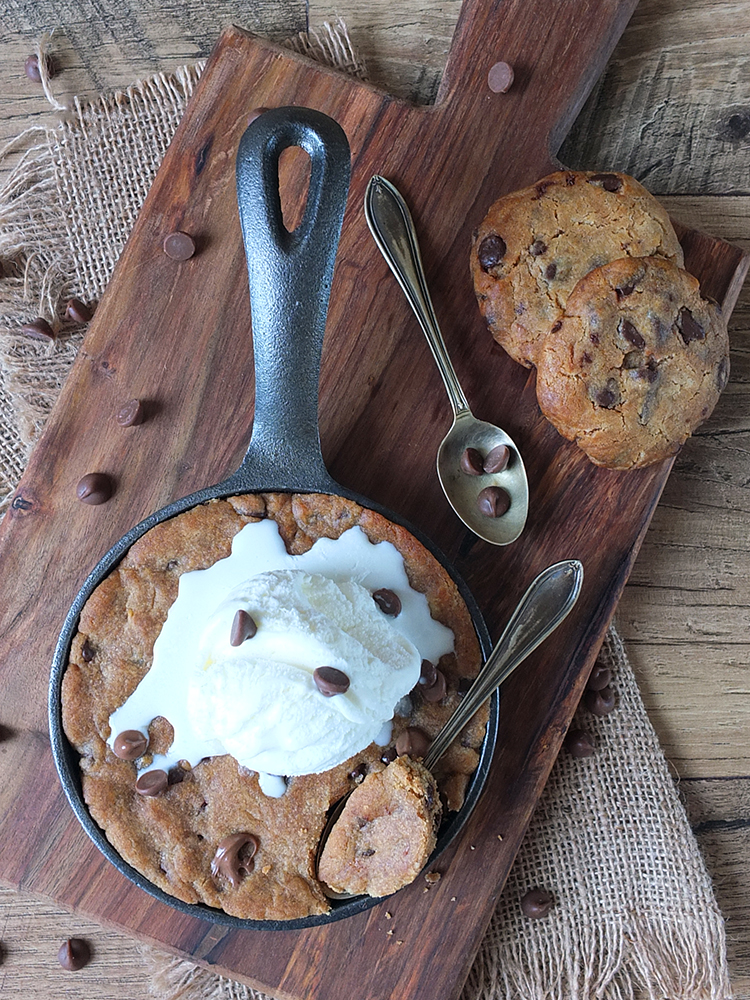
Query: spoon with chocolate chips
[478,464]
[380,836]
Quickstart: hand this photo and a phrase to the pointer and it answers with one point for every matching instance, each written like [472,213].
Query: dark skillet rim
[67,758]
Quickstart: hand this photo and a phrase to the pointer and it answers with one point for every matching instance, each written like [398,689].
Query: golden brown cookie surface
[636,363]
[386,832]
[535,244]
[184,838]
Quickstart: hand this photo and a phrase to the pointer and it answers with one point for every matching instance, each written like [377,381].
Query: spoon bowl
[493,502]
[547,602]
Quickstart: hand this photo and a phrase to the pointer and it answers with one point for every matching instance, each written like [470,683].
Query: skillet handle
[290,278]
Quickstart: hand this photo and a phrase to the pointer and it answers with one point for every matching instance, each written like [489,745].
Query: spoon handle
[394,233]
[542,608]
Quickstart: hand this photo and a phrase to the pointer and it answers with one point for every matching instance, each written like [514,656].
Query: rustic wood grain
[656,49]
[719,810]
[679,77]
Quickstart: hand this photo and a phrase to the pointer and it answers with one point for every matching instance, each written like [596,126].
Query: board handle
[290,275]
[557,52]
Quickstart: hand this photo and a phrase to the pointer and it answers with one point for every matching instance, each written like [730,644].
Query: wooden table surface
[673,109]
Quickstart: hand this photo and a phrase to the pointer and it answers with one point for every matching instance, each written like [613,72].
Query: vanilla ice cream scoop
[262,695]
[291,664]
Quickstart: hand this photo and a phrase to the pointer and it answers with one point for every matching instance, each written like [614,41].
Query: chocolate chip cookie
[208,833]
[535,244]
[386,832]
[636,362]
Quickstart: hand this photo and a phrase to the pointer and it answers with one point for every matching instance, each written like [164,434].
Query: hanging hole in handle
[294,184]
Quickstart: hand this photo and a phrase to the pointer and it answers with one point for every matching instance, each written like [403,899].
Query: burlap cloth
[635,912]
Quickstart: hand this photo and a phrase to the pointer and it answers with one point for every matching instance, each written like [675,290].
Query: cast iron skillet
[290,279]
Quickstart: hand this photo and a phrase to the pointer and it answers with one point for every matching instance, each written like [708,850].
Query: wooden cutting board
[178,336]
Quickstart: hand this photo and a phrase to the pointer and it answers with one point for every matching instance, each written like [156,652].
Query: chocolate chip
[131,413]
[557,325]
[537,248]
[623,291]
[234,857]
[497,459]
[388,602]
[471,462]
[152,783]
[649,372]
[330,681]
[541,188]
[243,627]
[586,358]
[358,774]
[609,396]
[130,745]
[610,182]
[39,329]
[177,774]
[434,692]
[579,743]
[491,251]
[87,651]
[500,78]
[600,702]
[179,246]
[689,326]
[412,742]
[74,954]
[464,685]
[594,338]
[537,903]
[78,311]
[493,501]
[33,69]
[94,488]
[550,271]
[599,677]
[388,755]
[427,673]
[631,334]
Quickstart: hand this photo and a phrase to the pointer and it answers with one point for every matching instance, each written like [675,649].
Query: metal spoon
[549,600]
[393,230]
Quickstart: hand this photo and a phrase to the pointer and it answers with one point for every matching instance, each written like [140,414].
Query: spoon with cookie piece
[380,836]
[479,466]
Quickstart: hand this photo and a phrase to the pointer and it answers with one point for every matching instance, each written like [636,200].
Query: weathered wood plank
[685,613]
[673,107]
[33,928]
[720,815]
[403,43]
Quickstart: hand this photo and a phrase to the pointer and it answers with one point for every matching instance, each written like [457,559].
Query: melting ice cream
[258,699]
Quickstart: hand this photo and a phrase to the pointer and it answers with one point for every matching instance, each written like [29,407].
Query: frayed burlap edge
[635,913]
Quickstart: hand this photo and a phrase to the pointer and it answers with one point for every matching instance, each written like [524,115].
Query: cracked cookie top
[535,244]
[636,362]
